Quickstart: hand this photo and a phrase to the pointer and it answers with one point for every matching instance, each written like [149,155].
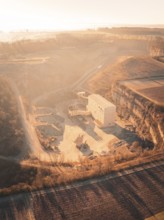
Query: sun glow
[71,14]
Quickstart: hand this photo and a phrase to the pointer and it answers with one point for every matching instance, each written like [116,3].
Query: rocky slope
[128,68]
[144,115]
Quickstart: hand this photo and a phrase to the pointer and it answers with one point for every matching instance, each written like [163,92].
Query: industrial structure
[103,111]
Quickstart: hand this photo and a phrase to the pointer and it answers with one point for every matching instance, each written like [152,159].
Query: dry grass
[130,68]
[43,175]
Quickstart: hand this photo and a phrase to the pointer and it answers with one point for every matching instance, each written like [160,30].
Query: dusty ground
[100,141]
[39,67]
[73,127]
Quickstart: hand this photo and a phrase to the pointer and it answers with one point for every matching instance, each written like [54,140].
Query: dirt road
[32,144]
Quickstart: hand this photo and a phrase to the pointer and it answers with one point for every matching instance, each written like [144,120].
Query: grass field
[131,197]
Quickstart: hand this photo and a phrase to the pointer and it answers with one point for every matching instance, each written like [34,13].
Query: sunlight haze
[76,14]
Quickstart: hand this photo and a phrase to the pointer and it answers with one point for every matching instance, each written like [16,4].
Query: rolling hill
[129,68]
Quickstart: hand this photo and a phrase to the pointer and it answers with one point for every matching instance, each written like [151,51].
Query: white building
[103,111]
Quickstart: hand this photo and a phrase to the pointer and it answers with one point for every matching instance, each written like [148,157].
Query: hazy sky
[73,14]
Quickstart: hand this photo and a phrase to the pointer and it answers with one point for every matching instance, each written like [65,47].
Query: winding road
[32,144]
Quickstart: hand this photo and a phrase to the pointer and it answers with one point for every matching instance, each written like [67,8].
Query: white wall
[105,115]
[109,115]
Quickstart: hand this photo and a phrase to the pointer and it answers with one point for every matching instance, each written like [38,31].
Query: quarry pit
[59,132]
[141,103]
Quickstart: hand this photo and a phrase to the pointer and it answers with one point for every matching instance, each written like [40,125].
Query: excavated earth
[141,102]
[136,86]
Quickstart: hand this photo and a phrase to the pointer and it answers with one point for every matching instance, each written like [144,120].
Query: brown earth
[130,68]
[68,57]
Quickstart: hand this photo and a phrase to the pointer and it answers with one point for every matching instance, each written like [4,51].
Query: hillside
[130,68]
[51,64]
[11,133]
[134,31]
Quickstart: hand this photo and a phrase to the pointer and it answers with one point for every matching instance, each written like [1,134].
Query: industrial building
[103,111]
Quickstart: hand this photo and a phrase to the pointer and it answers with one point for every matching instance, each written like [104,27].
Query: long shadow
[137,194]
[127,135]
[125,197]
[150,182]
[89,129]
[54,206]
[155,177]
[14,207]
[128,195]
[71,196]
[131,197]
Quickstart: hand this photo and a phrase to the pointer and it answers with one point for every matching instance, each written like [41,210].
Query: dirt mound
[133,67]
[139,67]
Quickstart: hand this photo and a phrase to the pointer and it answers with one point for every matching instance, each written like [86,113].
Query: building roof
[101,100]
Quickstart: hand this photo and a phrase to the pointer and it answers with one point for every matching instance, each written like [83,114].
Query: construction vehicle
[83,146]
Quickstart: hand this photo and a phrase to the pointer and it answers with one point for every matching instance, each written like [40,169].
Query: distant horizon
[60,15]
[84,28]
